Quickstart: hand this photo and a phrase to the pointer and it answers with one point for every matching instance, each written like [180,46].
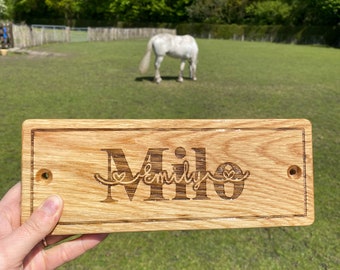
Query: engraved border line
[119,221]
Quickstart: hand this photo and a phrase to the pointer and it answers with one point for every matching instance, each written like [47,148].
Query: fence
[107,34]
[35,35]
[28,36]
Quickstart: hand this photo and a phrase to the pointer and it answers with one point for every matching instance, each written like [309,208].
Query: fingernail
[51,205]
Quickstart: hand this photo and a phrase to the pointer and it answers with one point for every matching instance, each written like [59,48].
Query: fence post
[10,35]
[67,34]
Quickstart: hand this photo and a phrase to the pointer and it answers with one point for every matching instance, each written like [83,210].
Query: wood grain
[143,175]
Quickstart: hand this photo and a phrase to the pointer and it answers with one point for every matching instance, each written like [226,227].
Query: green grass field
[235,80]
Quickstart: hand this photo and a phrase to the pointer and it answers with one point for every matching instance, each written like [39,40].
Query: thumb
[39,225]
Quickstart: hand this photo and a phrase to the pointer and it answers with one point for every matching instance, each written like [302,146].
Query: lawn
[235,80]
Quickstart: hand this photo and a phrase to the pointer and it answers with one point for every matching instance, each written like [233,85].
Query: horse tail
[144,64]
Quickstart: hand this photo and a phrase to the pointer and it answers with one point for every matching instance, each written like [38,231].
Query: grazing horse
[182,47]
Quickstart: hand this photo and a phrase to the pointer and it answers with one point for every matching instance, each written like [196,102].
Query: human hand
[21,247]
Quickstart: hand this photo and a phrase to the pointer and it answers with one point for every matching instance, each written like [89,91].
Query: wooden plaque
[143,175]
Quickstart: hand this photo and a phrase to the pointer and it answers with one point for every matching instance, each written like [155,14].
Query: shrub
[269,12]
[325,35]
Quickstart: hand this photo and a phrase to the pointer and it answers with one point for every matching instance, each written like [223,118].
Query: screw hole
[44,175]
[294,172]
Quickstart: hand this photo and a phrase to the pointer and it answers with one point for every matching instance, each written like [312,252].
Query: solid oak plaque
[143,175]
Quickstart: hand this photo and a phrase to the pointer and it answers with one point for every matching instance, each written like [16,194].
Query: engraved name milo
[153,175]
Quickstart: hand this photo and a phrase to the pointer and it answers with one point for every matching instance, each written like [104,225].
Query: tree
[179,9]
[148,10]
[315,12]
[269,12]
[29,10]
[329,11]
[218,11]
[70,8]
[207,11]
[139,12]
[3,9]
[235,11]
[96,10]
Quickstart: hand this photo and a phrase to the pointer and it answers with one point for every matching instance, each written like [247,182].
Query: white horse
[182,47]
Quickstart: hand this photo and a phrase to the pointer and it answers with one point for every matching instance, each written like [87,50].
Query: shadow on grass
[164,78]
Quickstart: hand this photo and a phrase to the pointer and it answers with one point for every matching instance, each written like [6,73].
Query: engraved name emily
[153,175]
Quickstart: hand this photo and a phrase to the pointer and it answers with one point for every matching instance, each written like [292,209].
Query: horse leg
[193,70]
[180,77]
[158,62]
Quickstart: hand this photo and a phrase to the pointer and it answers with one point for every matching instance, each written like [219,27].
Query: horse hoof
[180,79]
[158,80]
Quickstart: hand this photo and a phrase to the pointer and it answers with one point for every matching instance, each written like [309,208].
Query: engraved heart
[228,174]
[118,177]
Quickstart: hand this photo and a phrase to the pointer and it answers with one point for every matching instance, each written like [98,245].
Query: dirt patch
[34,53]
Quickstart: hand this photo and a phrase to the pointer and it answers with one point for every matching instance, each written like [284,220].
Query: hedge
[323,35]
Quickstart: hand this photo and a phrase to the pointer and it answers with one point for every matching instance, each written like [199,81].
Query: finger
[68,251]
[58,239]
[12,198]
[53,239]
[10,211]
[40,224]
